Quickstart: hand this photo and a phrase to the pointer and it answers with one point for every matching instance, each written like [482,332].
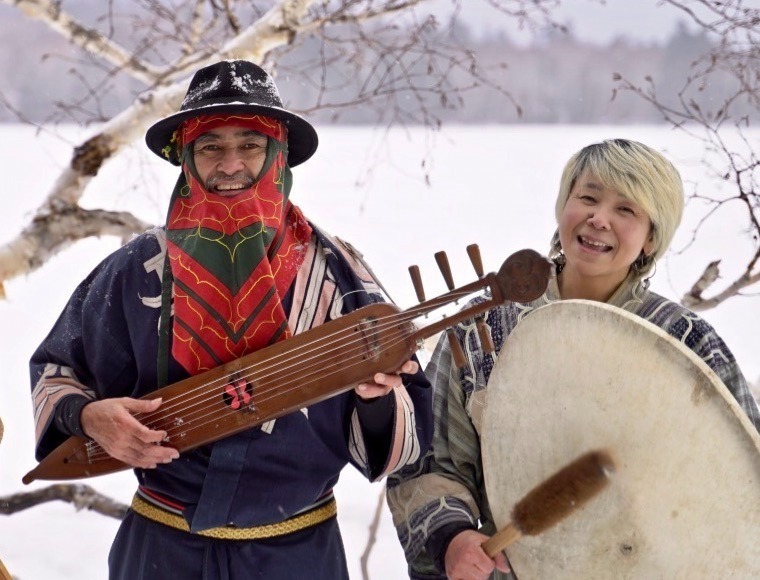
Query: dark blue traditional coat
[105,344]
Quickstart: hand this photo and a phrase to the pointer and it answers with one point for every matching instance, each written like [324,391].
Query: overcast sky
[598,21]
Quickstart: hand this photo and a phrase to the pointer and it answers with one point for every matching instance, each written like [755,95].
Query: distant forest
[557,79]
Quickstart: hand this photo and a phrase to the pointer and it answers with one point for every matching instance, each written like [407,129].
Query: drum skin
[684,501]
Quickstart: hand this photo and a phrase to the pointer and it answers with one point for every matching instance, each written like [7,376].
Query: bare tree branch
[733,62]
[81,496]
[55,230]
[372,538]
[726,16]
[417,65]
[35,244]
[86,38]
[694,300]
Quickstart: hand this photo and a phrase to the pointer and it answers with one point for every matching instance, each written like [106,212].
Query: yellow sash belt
[298,522]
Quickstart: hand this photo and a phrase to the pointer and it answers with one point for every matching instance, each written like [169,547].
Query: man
[237,267]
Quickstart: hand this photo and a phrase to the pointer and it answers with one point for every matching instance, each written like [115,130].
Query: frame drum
[684,501]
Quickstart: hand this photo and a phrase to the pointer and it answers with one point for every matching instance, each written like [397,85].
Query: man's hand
[466,560]
[385,382]
[110,422]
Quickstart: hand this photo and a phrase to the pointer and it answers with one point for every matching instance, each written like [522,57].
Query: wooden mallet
[554,499]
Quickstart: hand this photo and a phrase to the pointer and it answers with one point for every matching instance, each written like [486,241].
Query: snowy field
[494,186]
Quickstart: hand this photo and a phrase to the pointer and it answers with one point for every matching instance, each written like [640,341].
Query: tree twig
[79,495]
[372,538]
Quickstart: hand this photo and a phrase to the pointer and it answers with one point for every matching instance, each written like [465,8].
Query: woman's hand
[466,560]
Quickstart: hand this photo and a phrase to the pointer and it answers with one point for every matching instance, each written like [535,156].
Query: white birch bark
[59,221]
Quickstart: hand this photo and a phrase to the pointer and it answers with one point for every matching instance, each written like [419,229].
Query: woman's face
[602,233]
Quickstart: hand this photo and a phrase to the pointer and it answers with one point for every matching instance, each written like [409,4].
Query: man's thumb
[143,405]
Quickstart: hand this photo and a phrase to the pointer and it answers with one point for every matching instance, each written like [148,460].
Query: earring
[653,269]
[556,254]
[645,266]
[640,263]
[559,262]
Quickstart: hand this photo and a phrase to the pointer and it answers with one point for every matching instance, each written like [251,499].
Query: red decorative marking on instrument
[237,394]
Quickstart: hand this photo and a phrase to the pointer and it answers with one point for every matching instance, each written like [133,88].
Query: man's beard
[242,179]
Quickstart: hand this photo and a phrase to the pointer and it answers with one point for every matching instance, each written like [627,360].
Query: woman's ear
[648,248]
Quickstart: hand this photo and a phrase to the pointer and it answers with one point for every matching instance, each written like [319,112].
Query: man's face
[229,159]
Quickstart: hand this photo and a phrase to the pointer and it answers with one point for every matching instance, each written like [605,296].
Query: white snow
[490,185]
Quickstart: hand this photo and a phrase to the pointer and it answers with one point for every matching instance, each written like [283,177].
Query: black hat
[234,86]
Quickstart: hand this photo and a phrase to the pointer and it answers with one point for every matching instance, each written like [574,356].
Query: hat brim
[302,138]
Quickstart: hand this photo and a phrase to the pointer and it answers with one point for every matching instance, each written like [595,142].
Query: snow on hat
[235,87]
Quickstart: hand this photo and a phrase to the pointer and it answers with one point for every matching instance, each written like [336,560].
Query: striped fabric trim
[55,383]
[356,446]
[405,446]
[356,260]
[314,293]
[169,505]
[159,501]
[316,299]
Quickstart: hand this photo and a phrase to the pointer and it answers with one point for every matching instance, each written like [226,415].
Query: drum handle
[501,540]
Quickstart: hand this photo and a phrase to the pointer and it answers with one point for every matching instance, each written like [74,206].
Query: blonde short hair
[642,175]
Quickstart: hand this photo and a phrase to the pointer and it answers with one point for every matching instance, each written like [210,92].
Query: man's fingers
[410,368]
[137,453]
[368,391]
[143,432]
[149,436]
[155,454]
[387,380]
[141,405]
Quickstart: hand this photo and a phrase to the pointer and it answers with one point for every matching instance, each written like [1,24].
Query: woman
[618,207]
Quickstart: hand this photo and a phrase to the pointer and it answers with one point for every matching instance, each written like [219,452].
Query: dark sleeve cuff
[376,415]
[68,415]
[439,541]
[376,420]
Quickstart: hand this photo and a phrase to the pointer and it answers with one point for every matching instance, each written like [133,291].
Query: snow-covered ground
[490,185]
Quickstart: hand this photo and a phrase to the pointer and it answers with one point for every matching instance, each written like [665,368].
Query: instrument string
[220,412]
[293,358]
[193,423]
[340,340]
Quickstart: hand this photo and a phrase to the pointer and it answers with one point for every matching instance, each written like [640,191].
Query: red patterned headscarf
[232,259]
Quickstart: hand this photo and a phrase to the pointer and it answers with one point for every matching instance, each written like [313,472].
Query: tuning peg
[456,349]
[484,333]
[414,272]
[474,252]
[443,264]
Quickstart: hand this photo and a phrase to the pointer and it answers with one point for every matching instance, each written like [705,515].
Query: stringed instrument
[307,368]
